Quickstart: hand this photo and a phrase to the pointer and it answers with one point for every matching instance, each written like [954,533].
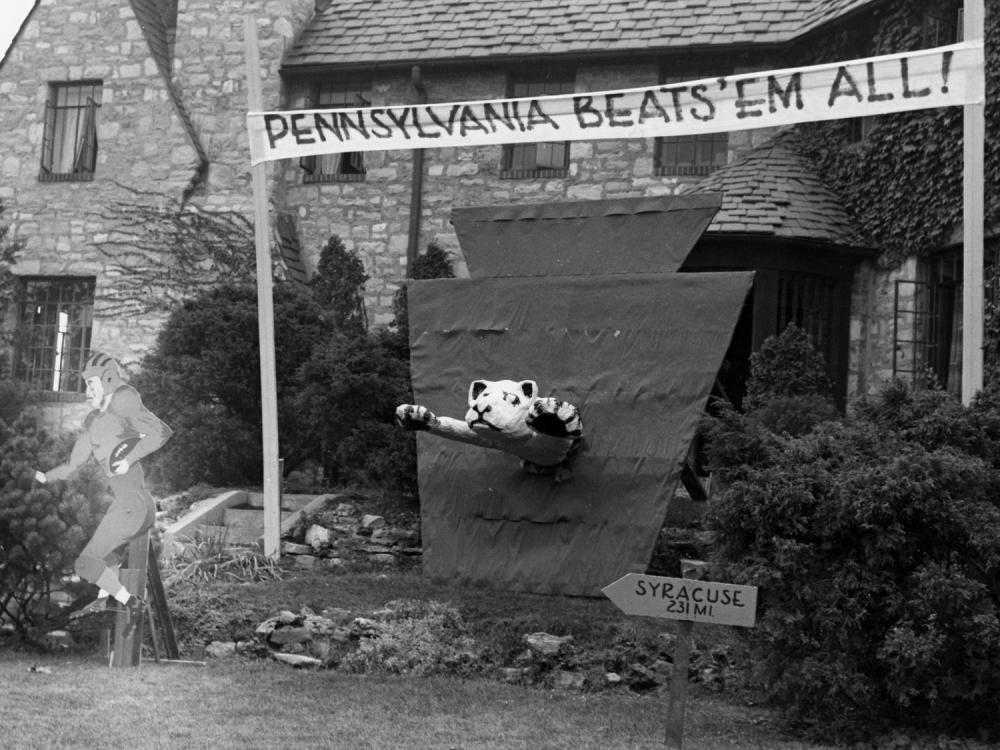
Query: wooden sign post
[689,600]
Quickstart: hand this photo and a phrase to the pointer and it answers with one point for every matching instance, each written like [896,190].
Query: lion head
[501,406]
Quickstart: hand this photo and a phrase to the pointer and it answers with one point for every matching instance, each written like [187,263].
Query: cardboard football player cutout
[508,416]
[118,433]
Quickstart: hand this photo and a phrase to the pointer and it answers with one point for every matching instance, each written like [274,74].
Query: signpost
[689,600]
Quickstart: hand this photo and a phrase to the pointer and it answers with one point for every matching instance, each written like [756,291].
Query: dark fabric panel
[567,239]
[637,354]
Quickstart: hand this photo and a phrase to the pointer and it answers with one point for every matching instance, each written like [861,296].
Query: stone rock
[292,548]
[335,563]
[318,537]
[369,521]
[663,669]
[287,617]
[612,678]
[346,510]
[337,614]
[545,644]
[567,680]
[220,649]
[286,636]
[297,660]
[318,625]
[384,558]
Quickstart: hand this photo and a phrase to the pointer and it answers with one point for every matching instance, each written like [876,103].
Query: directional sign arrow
[684,599]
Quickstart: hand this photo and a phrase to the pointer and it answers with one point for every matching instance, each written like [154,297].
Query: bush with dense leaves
[203,379]
[875,543]
[43,527]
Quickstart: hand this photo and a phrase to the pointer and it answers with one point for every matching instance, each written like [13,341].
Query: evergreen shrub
[875,542]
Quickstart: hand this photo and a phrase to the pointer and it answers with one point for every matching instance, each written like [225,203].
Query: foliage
[350,386]
[203,379]
[354,380]
[417,637]
[42,527]
[211,559]
[876,546]
[788,389]
[903,183]
[338,284]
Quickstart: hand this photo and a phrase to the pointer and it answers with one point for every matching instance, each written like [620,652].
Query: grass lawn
[81,703]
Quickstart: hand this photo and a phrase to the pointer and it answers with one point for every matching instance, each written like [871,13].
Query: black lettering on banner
[400,121]
[698,94]
[675,95]
[613,114]
[347,125]
[537,116]
[448,127]
[320,123]
[784,95]
[586,114]
[421,133]
[702,610]
[469,121]
[904,72]
[872,96]
[640,587]
[839,89]
[649,100]
[380,128]
[301,136]
[747,107]
[492,116]
[272,136]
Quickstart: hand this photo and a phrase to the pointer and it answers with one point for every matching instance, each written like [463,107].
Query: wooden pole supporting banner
[973,209]
[265,313]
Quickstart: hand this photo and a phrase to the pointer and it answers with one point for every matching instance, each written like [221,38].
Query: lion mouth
[483,423]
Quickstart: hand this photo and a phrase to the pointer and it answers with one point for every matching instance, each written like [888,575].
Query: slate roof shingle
[773,191]
[342,33]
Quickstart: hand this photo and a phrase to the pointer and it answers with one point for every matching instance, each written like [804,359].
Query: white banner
[941,77]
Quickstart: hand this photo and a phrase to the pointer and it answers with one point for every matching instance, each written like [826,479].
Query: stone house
[113,104]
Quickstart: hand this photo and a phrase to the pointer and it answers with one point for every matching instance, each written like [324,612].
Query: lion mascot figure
[509,416]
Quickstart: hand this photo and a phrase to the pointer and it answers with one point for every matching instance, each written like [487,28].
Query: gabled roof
[399,32]
[774,192]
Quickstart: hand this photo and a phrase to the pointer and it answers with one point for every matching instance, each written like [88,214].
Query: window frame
[343,167]
[927,319]
[664,167]
[80,145]
[49,349]
[522,160]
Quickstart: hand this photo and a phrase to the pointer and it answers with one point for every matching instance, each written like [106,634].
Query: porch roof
[399,32]
[773,191]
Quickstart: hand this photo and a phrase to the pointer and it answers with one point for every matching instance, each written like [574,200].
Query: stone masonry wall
[142,145]
[373,216]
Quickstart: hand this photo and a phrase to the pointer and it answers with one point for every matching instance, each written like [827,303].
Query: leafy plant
[203,379]
[211,559]
[42,528]
[876,546]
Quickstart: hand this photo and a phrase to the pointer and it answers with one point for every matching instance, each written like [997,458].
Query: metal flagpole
[974,135]
[265,313]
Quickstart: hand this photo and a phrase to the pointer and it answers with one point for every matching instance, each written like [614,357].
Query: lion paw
[555,417]
[414,417]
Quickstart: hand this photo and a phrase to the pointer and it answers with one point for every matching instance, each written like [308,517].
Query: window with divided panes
[55,317]
[927,333]
[690,155]
[69,141]
[548,159]
[346,167]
